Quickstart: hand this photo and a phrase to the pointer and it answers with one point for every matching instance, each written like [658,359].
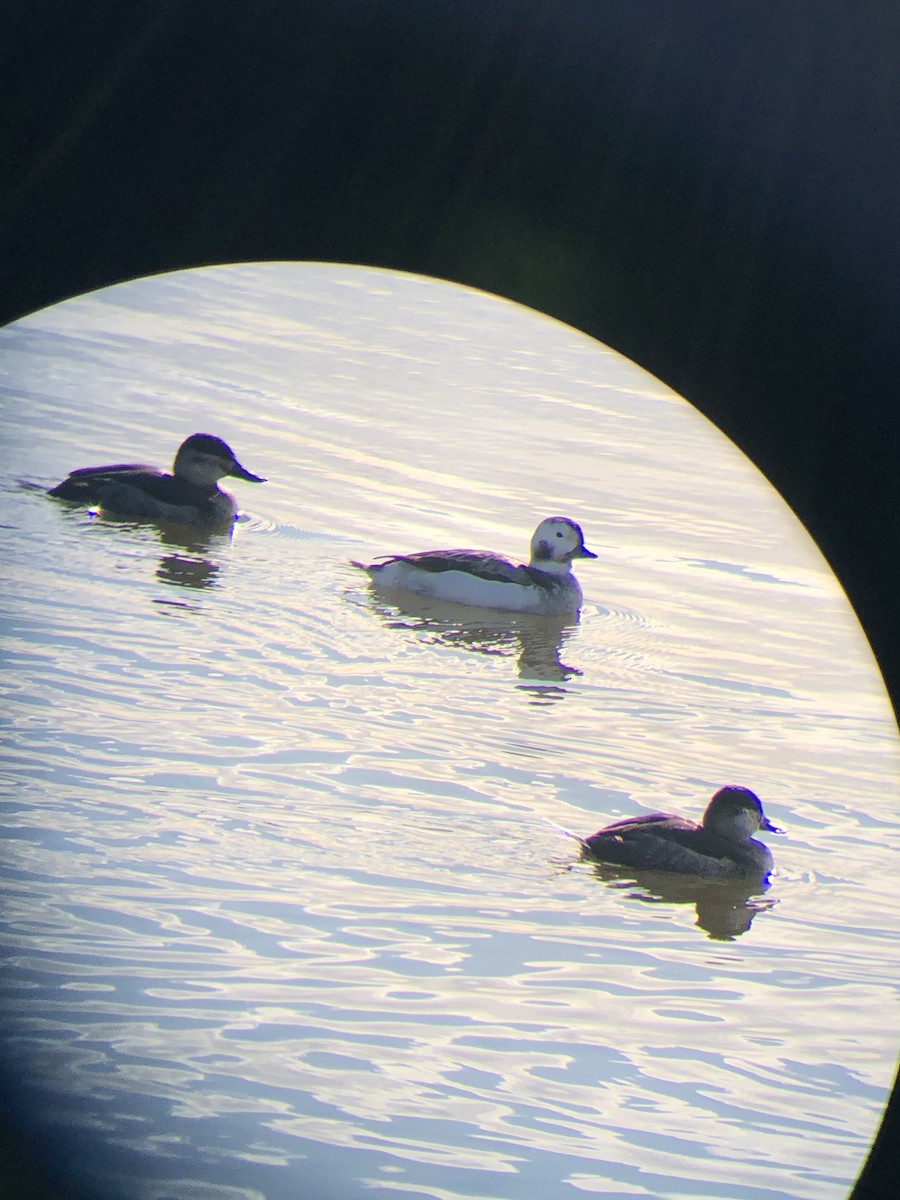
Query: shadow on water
[189,565]
[536,642]
[189,562]
[725,909]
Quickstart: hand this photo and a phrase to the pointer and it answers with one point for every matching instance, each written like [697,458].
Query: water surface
[287,910]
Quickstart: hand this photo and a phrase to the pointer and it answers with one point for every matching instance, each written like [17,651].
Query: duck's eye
[559,533]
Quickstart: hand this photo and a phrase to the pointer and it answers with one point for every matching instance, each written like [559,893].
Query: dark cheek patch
[542,550]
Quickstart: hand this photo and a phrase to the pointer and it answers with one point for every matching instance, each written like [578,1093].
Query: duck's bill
[240,472]
[585,553]
[771,826]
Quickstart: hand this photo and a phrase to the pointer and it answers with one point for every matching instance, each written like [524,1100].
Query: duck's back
[86,483]
[661,842]
[481,564]
[145,493]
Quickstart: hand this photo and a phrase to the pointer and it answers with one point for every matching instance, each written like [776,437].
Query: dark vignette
[711,187]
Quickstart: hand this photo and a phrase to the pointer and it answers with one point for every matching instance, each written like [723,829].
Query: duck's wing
[481,564]
[84,483]
[656,841]
[161,487]
[661,843]
[648,821]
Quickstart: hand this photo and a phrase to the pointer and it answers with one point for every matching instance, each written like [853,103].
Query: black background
[709,186]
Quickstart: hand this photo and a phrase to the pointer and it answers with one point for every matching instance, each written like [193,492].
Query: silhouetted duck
[189,495]
[721,846]
[546,586]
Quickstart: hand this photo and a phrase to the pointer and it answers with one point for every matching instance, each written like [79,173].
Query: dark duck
[721,846]
[189,495]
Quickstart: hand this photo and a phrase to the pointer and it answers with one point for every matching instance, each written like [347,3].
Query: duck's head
[558,540]
[203,459]
[736,813]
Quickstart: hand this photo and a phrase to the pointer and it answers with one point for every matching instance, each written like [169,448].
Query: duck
[721,846]
[546,586]
[191,494]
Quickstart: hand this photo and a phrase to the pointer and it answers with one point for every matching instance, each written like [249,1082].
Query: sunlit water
[286,912]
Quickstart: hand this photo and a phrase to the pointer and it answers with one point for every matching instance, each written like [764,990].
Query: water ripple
[284,908]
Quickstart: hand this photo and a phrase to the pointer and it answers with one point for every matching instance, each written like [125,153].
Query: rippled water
[286,909]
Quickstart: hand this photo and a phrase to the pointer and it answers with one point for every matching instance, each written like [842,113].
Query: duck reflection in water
[725,908]
[536,641]
[188,566]
[716,863]
[191,560]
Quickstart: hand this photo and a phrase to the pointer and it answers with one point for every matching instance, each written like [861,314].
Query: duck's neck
[550,567]
[205,488]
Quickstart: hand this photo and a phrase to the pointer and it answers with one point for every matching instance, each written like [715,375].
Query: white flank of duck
[546,586]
